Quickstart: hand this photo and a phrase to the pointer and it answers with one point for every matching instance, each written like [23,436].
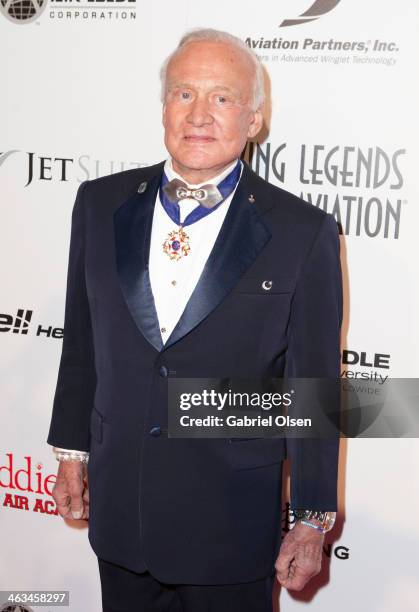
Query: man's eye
[185,95]
[223,100]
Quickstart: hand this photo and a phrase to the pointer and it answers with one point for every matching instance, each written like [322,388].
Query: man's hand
[71,492]
[300,557]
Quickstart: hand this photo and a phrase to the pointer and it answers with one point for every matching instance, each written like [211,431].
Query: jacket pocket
[247,453]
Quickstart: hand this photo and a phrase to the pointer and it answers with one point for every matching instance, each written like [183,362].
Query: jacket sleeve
[314,352]
[76,383]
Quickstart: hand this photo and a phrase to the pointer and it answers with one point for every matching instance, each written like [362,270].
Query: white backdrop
[80,99]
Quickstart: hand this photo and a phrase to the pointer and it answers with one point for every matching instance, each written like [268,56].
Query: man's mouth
[199,139]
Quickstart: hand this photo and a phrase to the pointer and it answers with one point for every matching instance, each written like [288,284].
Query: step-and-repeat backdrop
[80,99]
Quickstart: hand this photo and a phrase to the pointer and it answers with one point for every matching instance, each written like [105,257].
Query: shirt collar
[172,174]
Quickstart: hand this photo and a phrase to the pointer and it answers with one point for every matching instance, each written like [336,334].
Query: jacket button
[164,372]
[155,432]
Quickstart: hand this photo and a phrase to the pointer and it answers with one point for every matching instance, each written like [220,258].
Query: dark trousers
[126,591]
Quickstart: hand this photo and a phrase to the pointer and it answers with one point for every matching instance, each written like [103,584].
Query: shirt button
[164,372]
[163,330]
[155,432]
[174,283]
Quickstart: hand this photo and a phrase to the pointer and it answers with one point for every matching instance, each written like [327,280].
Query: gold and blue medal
[177,244]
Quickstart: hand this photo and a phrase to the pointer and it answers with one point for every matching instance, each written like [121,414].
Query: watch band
[64,454]
[322,520]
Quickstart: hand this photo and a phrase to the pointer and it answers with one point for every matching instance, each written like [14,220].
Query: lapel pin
[251,199]
[267,285]
[142,187]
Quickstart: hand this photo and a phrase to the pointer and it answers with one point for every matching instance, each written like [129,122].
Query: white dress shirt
[172,282]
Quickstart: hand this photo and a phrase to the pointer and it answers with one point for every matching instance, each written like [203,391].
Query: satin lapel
[132,224]
[242,236]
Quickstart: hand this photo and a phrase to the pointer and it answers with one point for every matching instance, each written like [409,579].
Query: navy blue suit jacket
[194,511]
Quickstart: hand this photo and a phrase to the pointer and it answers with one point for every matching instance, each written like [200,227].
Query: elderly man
[165,279]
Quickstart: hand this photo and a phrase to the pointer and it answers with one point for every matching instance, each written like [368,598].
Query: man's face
[207,113]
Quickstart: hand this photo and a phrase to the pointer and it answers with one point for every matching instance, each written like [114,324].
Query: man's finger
[297,578]
[300,573]
[282,565]
[286,555]
[63,506]
[75,490]
[85,503]
[294,584]
[76,507]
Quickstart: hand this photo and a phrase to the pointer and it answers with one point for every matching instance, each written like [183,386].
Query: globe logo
[22,11]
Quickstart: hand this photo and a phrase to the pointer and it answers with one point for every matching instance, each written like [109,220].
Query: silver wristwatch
[317,519]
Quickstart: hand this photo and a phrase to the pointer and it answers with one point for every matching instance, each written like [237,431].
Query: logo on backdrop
[309,49]
[62,169]
[25,485]
[6,154]
[360,186]
[316,10]
[20,323]
[27,11]
[22,11]
[365,365]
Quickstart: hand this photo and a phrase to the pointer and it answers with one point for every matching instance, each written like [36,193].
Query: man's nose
[199,113]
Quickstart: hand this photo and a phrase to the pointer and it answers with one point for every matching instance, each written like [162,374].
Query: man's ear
[255,124]
[163,115]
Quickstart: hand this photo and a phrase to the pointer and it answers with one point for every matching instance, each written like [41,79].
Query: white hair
[212,35]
